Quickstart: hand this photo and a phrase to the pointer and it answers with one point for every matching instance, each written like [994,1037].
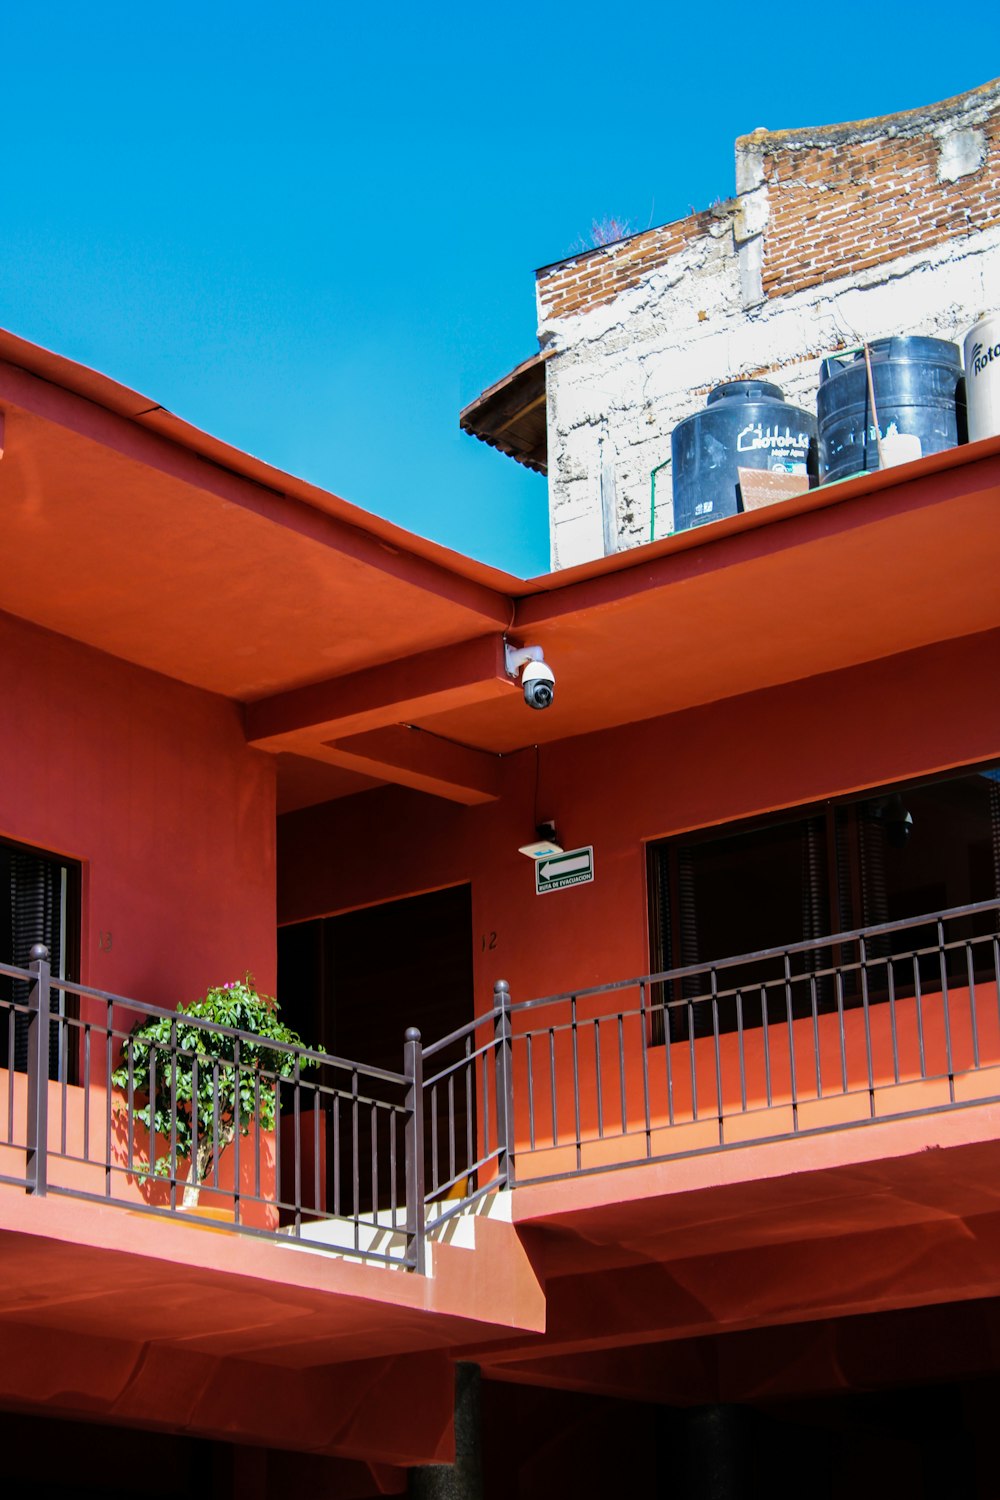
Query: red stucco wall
[152,787]
[900,717]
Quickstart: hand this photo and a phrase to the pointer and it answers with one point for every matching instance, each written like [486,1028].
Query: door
[354,984]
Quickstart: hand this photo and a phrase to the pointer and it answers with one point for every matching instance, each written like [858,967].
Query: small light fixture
[546,843]
[898,821]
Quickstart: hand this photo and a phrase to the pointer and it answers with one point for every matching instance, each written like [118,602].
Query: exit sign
[554,872]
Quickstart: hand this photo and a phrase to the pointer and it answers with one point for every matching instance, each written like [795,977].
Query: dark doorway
[354,983]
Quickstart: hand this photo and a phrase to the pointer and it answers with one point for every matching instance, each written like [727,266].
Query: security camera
[538,683]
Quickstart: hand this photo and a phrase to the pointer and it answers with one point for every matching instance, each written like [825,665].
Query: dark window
[39,903]
[889,856]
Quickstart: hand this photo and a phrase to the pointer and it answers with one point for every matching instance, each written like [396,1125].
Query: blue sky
[312,230]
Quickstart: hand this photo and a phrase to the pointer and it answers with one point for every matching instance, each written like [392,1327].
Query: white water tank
[982,378]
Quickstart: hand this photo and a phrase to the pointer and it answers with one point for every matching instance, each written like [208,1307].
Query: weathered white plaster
[962,152]
[623,374]
[753,209]
[628,371]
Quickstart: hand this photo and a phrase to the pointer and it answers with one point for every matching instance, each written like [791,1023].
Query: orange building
[705,1196]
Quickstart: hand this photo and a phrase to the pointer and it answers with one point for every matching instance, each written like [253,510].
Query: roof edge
[821,498]
[103,391]
[903,122]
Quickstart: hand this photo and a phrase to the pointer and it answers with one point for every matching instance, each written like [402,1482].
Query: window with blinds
[39,903]
[894,854]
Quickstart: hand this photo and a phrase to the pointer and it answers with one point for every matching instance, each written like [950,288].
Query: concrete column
[462,1480]
[705,1453]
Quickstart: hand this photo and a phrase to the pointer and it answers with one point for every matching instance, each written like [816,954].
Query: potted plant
[160,1058]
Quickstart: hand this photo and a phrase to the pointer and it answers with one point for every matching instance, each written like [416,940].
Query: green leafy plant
[174,1057]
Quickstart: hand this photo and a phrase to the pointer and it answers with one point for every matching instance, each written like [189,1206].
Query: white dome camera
[538,681]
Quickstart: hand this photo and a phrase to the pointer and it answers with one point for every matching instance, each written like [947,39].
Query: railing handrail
[747,990]
[495,1135]
[180,1160]
[456,1036]
[447,1070]
[663,976]
[147,1011]
[808,945]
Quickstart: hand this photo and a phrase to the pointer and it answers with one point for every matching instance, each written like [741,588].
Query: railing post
[413,1068]
[36,1156]
[503,1059]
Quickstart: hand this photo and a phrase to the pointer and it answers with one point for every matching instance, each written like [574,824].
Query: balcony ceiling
[864,569]
[650,1270]
[146,539]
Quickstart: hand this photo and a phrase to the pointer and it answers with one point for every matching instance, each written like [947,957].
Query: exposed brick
[835,205]
[889,182]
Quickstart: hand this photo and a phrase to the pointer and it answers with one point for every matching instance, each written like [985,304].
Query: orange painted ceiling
[736,607]
[152,541]
[141,550]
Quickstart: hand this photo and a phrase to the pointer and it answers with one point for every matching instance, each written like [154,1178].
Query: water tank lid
[746,390]
[915,347]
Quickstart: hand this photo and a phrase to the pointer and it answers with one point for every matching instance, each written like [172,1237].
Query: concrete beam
[396,692]
[411,757]
[935,1262]
[397,1412]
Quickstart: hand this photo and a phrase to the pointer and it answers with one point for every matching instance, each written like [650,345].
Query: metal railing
[341,1170]
[883,1022]
[880,1023]
[469,1158]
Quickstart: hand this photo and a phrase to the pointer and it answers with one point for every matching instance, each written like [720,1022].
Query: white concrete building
[836,236]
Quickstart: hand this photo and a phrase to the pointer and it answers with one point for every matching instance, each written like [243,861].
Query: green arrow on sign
[557,871]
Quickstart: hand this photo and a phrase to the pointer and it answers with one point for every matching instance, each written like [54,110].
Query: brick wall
[836,234]
[598,276]
[877,190]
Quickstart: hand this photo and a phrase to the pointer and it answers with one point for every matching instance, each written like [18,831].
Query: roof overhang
[151,541]
[510,415]
[874,567]
[364,654]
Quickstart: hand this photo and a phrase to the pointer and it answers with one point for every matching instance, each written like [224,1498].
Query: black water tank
[746,424]
[918,391]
